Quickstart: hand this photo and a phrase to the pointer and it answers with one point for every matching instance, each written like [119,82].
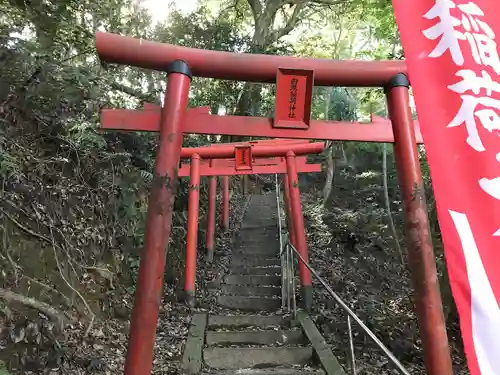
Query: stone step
[258,241]
[258,233]
[238,270]
[270,224]
[267,228]
[262,321]
[257,249]
[268,291]
[261,217]
[249,303]
[262,261]
[239,358]
[255,338]
[252,280]
[258,246]
[273,371]
[259,224]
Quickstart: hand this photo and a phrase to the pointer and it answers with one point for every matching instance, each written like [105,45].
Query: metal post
[212,201]
[225,203]
[352,355]
[192,230]
[420,252]
[299,230]
[284,264]
[245,185]
[288,210]
[159,223]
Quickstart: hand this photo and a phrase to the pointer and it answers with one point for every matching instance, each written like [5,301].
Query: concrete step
[270,225]
[257,223]
[265,226]
[255,338]
[258,249]
[248,303]
[238,270]
[247,321]
[252,280]
[273,371]
[262,261]
[239,358]
[258,242]
[252,232]
[268,291]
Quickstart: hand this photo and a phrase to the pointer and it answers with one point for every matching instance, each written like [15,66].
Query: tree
[271,20]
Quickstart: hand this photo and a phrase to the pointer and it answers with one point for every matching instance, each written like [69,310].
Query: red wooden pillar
[212,201]
[420,251]
[158,223]
[299,229]
[225,203]
[192,230]
[288,211]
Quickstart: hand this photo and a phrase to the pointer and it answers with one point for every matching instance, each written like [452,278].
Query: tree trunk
[327,189]
[388,204]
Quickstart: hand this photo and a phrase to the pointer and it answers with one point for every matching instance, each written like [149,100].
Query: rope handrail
[287,251]
[351,314]
[287,269]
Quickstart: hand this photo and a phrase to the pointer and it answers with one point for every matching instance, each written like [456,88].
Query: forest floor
[353,249]
[30,343]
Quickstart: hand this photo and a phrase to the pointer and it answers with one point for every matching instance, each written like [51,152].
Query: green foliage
[3,369]
[9,166]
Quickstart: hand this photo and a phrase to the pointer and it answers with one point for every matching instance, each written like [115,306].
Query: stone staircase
[267,342]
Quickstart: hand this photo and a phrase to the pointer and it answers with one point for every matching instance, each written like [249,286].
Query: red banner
[454,68]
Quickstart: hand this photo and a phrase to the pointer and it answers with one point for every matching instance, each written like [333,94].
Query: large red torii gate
[290,74]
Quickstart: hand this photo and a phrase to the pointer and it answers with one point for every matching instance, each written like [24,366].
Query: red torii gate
[216,168]
[229,151]
[225,178]
[226,168]
[220,167]
[261,142]
[294,78]
[261,166]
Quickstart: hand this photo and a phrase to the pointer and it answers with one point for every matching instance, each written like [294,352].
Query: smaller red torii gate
[240,152]
[225,168]
[260,142]
[258,162]
[243,155]
[230,167]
